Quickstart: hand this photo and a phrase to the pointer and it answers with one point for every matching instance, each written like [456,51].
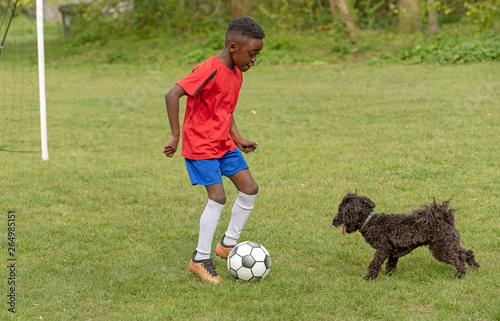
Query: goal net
[22,79]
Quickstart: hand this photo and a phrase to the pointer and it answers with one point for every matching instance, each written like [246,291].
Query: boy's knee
[216,193]
[252,189]
[255,189]
[218,198]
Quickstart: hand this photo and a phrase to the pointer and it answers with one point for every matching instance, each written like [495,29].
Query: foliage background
[299,31]
[107,226]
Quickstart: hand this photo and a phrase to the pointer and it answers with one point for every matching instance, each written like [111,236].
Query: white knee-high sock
[208,224]
[241,211]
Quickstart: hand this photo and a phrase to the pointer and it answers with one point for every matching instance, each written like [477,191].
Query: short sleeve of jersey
[196,80]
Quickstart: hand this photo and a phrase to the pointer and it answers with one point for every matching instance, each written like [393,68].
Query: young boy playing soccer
[210,138]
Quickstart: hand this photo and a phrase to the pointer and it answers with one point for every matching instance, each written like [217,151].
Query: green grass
[106,227]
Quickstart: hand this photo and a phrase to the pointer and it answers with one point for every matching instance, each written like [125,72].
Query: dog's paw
[370,277]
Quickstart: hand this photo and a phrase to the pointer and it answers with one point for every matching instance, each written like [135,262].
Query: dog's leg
[461,263]
[447,252]
[376,263]
[391,264]
[471,260]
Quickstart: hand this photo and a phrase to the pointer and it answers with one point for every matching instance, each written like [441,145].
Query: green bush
[482,14]
[449,49]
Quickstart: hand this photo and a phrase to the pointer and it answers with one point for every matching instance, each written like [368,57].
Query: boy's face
[244,53]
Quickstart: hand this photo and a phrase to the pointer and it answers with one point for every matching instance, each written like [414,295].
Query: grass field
[105,229]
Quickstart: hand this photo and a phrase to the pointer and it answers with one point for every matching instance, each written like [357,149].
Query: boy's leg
[242,208]
[202,264]
[209,220]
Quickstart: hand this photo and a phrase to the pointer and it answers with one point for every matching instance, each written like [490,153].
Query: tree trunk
[241,8]
[341,8]
[433,18]
[334,9]
[51,12]
[409,18]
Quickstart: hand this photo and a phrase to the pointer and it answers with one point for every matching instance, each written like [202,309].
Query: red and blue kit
[213,90]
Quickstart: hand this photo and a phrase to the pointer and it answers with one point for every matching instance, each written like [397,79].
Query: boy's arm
[172,102]
[244,145]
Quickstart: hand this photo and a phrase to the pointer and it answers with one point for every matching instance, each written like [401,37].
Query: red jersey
[213,91]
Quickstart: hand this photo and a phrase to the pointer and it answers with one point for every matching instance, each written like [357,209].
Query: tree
[409,17]
[341,7]
[241,8]
[333,8]
[432,16]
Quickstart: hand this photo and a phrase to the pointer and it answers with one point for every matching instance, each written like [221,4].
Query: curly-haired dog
[395,235]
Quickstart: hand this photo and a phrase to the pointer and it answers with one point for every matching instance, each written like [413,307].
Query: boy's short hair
[245,27]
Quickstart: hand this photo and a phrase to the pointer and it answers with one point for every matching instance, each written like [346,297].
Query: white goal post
[41,78]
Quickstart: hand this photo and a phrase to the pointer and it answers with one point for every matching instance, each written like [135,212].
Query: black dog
[393,236]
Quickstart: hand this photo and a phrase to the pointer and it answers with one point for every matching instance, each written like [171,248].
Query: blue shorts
[209,171]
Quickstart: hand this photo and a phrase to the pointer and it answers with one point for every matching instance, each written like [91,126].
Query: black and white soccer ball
[249,261]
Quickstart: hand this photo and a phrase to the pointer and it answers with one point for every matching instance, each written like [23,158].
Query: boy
[210,138]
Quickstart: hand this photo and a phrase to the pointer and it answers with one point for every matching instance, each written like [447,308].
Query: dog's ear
[350,196]
[368,202]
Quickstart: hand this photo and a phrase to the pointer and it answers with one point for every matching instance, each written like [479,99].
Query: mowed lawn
[105,228]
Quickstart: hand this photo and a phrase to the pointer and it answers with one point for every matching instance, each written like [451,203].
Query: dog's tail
[428,214]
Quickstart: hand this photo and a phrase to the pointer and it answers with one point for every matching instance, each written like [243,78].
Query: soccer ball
[249,261]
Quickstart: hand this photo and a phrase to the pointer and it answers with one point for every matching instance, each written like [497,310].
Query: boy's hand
[171,146]
[246,146]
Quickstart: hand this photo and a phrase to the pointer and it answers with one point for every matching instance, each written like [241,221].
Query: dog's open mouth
[344,229]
